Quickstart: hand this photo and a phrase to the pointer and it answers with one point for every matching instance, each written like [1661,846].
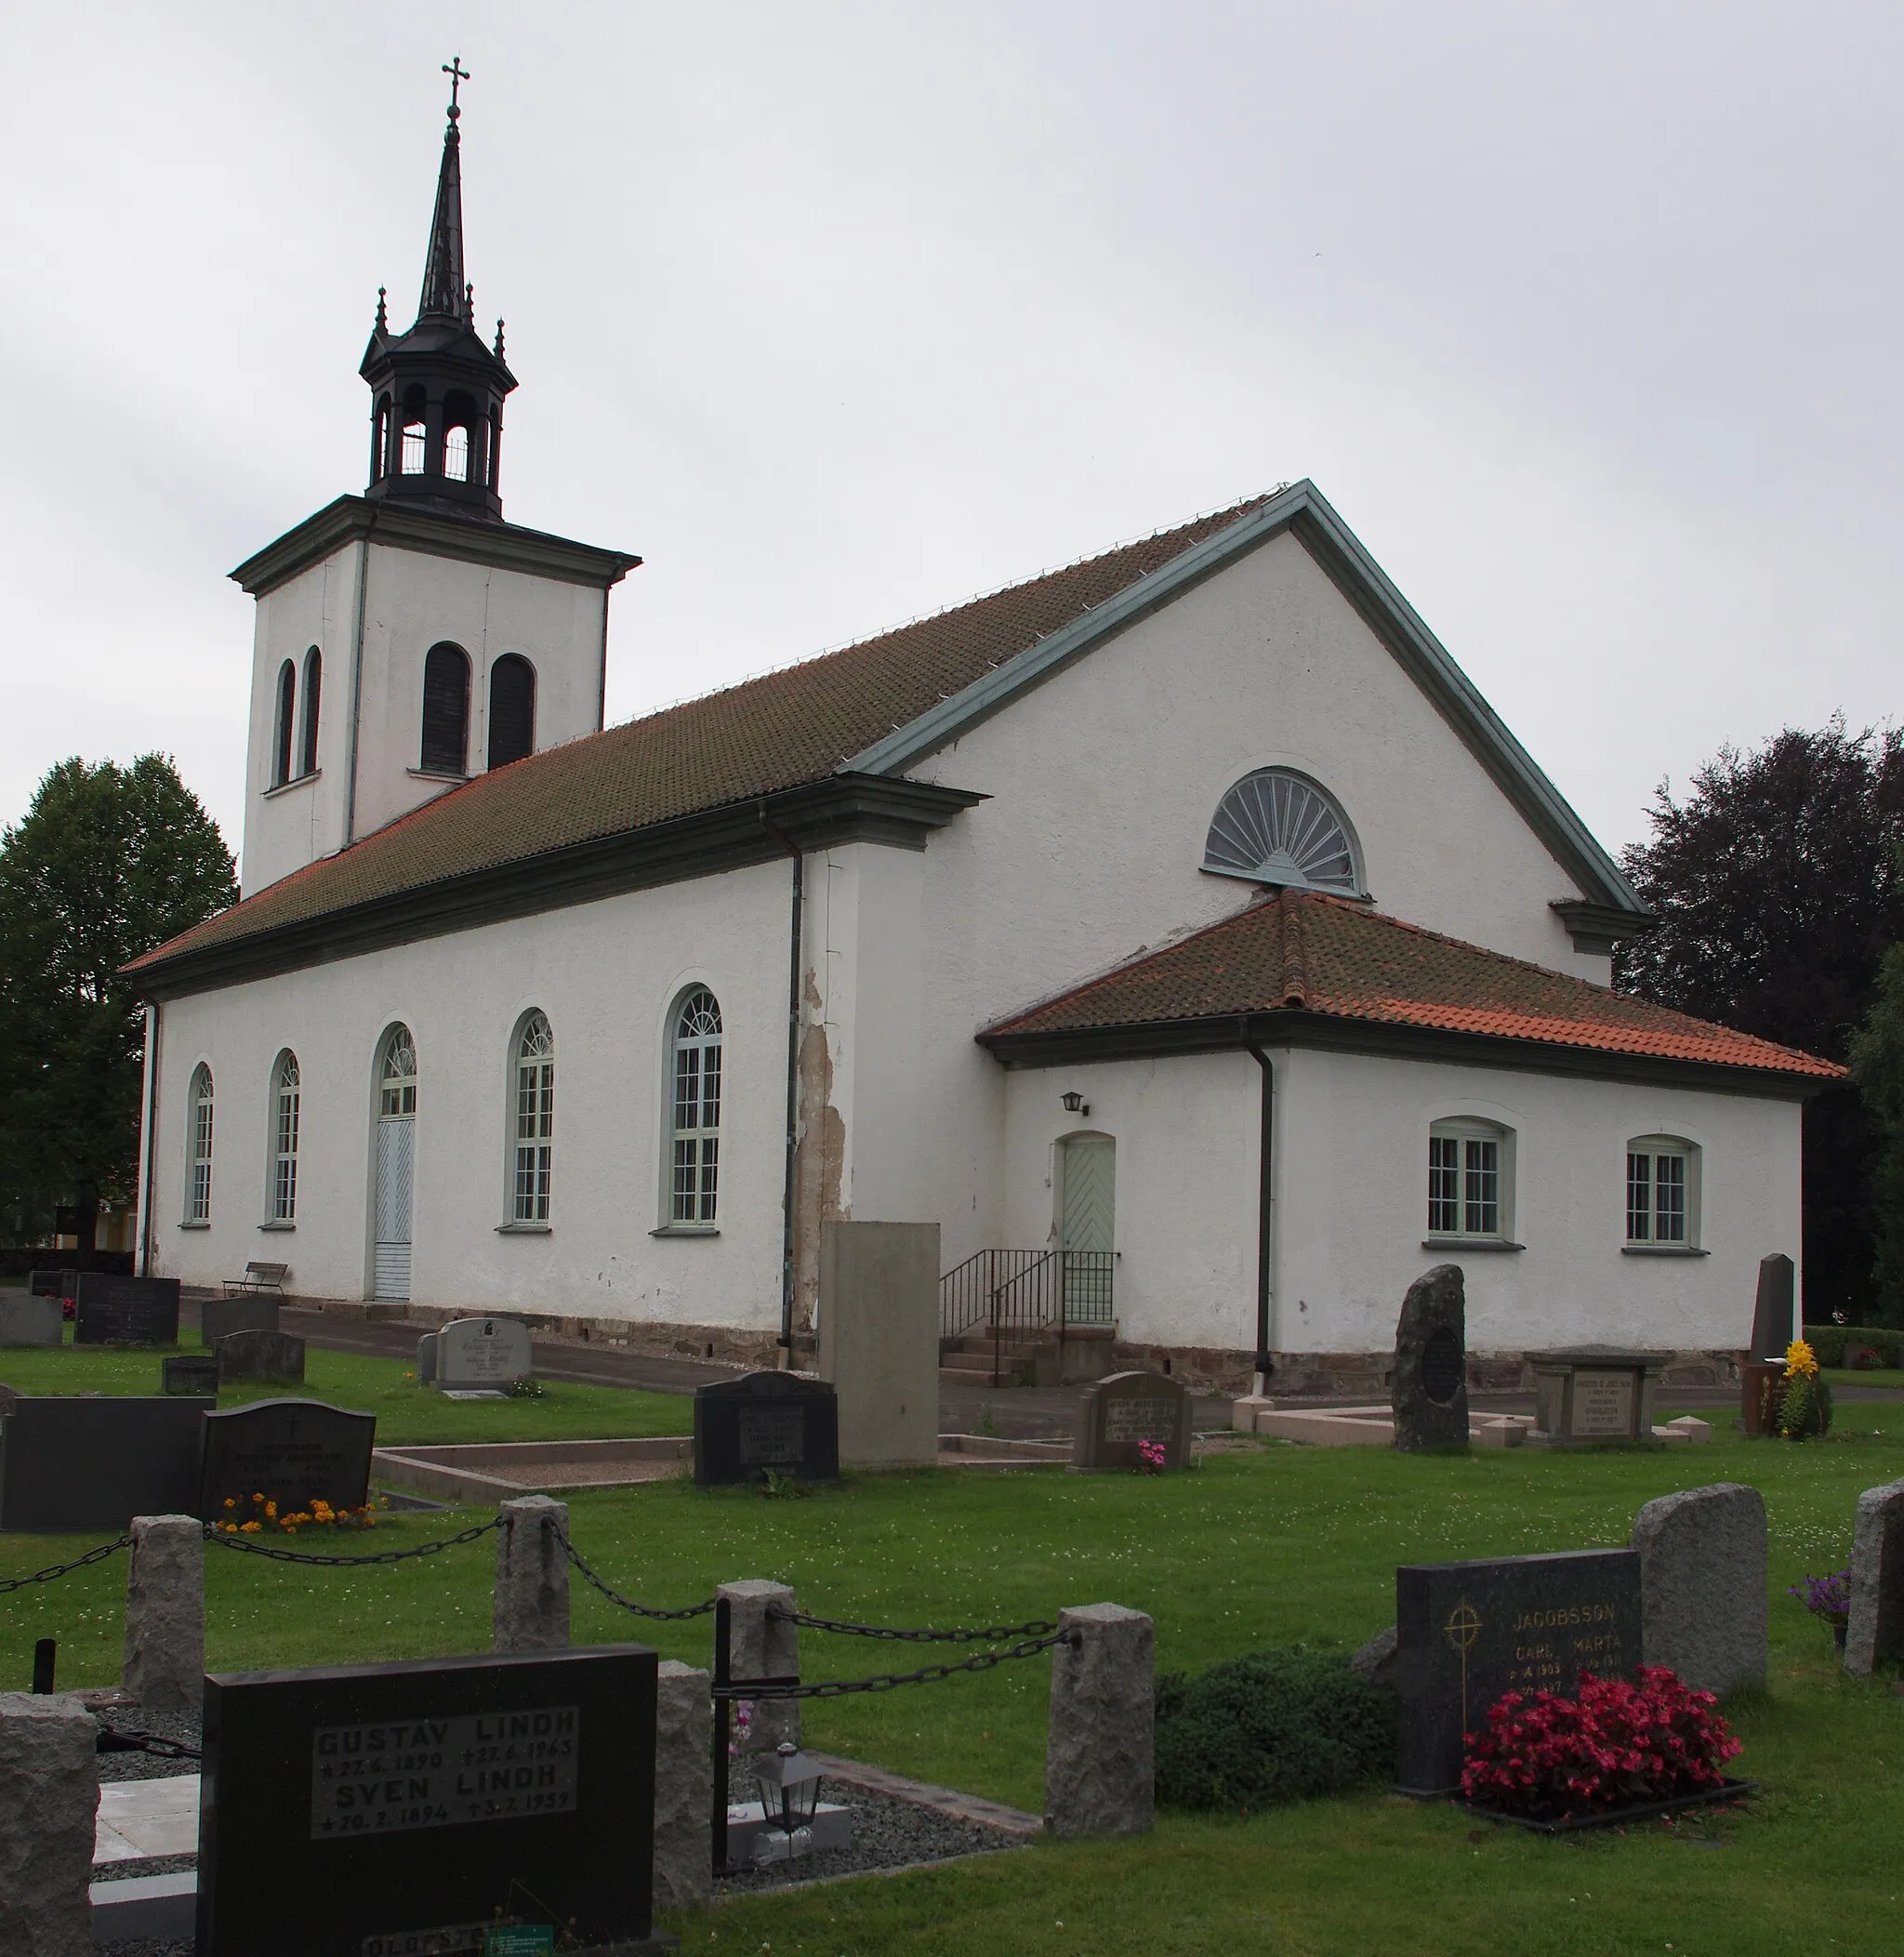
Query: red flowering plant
[1616,1745]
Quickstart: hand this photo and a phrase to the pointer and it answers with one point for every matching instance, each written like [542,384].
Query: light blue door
[1087,1225]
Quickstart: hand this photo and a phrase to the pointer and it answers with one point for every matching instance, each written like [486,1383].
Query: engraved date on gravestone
[1602,1403]
[773,1437]
[1140,1419]
[442,1773]
[455,1939]
[1551,1648]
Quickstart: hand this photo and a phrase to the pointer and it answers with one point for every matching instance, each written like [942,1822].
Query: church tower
[409,637]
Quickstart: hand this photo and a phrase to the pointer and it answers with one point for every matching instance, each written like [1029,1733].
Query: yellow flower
[231,1501]
[1800,1358]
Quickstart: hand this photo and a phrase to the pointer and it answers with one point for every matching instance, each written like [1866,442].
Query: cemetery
[1204,1682]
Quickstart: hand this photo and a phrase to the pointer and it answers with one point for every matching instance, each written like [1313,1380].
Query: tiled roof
[780,731]
[1300,951]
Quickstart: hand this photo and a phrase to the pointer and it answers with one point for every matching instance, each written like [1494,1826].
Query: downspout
[602,689]
[799,878]
[1265,1233]
[357,682]
[150,1140]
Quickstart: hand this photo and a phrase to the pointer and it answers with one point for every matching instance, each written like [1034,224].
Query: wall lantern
[789,1784]
[1075,1103]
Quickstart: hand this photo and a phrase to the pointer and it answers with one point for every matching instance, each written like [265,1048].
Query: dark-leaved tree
[1877,1059]
[107,862]
[1778,889]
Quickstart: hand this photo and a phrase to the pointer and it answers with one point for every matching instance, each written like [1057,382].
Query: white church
[1180,931]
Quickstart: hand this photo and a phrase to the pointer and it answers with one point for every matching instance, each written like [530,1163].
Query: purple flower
[1828,1597]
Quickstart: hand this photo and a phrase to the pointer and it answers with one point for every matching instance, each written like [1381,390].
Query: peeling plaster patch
[819,1163]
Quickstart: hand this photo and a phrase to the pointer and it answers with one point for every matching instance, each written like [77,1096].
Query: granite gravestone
[260,1355]
[75,1463]
[292,1452]
[764,1420]
[1593,1396]
[1773,1321]
[407,1807]
[1430,1395]
[1119,1413]
[190,1372]
[481,1352]
[32,1321]
[218,1317]
[1468,1632]
[125,1311]
[426,1359]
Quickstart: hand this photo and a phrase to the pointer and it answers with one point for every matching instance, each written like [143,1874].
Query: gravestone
[426,1359]
[879,1339]
[1118,1414]
[1467,1632]
[765,1421]
[218,1317]
[76,1462]
[1876,1630]
[190,1372]
[481,1352]
[407,1807]
[52,1284]
[125,1311]
[50,1797]
[1430,1395]
[1773,1325]
[292,1452]
[260,1355]
[1593,1396]
[1702,1582]
[32,1321]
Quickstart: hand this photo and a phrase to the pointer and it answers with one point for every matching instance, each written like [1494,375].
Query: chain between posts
[759,1690]
[226,1540]
[996,1634]
[615,1596]
[64,1570]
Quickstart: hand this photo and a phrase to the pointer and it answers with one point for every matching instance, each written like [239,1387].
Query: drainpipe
[1266,1236]
[799,878]
[150,1138]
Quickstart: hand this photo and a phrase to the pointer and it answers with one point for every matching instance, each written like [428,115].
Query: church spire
[443,283]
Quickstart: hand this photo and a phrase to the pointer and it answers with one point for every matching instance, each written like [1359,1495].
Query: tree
[1877,1059]
[1778,890]
[107,862]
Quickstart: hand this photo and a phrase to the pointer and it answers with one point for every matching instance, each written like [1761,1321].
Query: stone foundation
[1371,1375]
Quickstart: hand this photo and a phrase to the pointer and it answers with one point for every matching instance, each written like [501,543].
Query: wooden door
[395,1159]
[1087,1225]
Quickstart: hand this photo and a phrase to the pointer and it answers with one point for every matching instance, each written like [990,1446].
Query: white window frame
[531,1123]
[1680,1160]
[396,1083]
[280,1194]
[690,1161]
[1478,1207]
[200,1107]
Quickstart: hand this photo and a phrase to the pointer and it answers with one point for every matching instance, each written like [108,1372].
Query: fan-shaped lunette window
[1276,828]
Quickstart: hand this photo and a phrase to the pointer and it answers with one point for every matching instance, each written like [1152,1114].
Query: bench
[258,1278]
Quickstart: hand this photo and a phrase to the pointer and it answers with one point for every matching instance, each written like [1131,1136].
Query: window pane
[710,1173]
[1639,1186]
[1444,1185]
[684,1179]
[1482,1207]
[1669,1207]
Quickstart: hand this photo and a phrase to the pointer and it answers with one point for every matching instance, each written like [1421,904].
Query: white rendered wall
[606,975]
[413,601]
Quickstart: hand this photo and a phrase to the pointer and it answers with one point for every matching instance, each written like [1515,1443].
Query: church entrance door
[1087,1222]
[396,1151]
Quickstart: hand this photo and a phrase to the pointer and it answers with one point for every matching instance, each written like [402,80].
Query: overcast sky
[1585,319]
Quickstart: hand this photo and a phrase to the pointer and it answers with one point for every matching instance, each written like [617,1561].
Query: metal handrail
[1012,1293]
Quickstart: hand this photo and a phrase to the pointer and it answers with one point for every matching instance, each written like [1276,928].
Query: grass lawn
[1282,1545]
[405,1410]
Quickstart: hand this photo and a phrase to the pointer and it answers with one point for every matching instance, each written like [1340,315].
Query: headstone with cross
[291,1453]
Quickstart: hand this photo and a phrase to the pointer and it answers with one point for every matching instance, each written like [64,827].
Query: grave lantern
[789,1786]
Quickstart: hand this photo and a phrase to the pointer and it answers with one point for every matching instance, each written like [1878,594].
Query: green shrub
[1830,1340]
[1272,1725]
[1805,1408]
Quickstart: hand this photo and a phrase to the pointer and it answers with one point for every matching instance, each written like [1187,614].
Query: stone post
[765,1647]
[683,1787]
[1877,1580]
[532,1575]
[1100,1763]
[49,1798]
[1702,1585]
[164,1614]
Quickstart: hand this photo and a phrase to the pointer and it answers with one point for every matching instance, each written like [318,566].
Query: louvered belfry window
[313,697]
[511,710]
[695,1167]
[282,731]
[445,710]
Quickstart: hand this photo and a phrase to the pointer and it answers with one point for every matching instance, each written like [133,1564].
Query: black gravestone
[765,1421]
[1430,1395]
[1772,1319]
[125,1311]
[220,1317]
[292,1452]
[1467,1632]
[190,1372]
[406,1807]
[80,1463]
[52,1284]
[260,1355]
[1119,1413]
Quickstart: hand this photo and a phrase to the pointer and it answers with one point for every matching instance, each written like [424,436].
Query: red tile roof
[781,730]
[1300,951]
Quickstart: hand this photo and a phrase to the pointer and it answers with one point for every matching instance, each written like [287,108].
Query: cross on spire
[457,73]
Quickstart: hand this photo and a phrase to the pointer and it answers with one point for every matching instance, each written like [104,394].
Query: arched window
[198,1179]
[1470,1181]
[456,453]
[695,1068]
[397,1077]
[462,454]
[380,439]
[445,710]
[313,695]
[512,709]
[282,732]
[412,444]
[1278,828]
[1662,1185]
[284,1203]
[535,1118]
